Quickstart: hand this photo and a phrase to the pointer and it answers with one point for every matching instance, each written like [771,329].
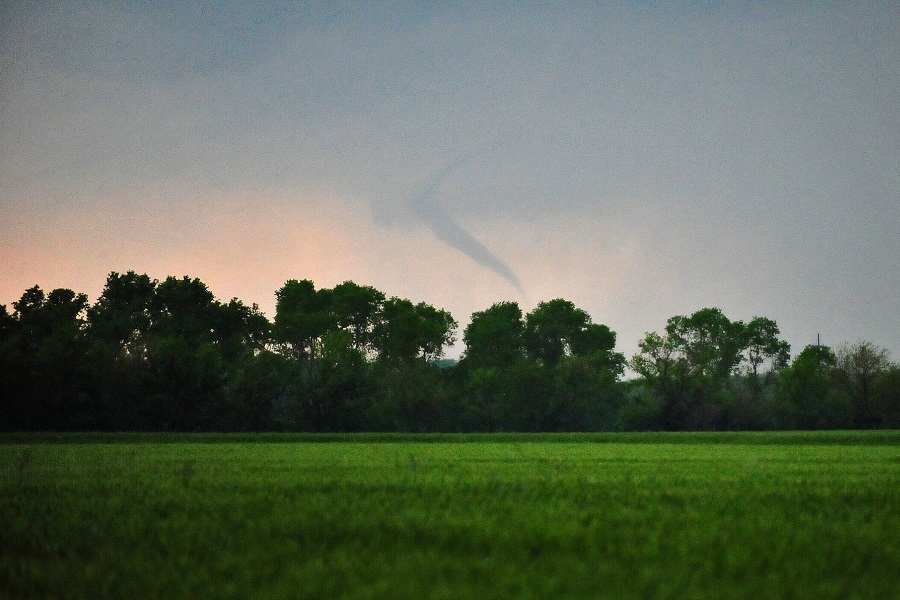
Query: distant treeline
[168,356]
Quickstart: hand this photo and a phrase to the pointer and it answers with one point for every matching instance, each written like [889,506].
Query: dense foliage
[168,356]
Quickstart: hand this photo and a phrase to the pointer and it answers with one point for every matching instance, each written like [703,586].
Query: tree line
[167,355]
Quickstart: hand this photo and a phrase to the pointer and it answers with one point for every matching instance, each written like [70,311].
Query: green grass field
[509,516]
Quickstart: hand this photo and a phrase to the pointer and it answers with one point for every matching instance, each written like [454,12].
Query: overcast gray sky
[640,159]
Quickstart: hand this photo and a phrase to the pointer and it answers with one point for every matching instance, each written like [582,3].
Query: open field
[615,516]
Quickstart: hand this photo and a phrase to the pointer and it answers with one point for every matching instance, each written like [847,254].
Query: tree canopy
[168,355]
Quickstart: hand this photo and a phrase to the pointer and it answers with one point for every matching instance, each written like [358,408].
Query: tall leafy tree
[409,392]
[397,331]
[119,331]
[763,353]
[551,371]
[493,338]
[122,315]
[763,356]
[336,390]
[662,366]
[355,308]
[553,330]
[710,344]
[806,395]
[692,369]
[186,370]
[409,396]
[241,329]
[494,347]
[186,308]
[857,368]
[887,397]
[46,342]
[436,331]
[406,331]
[302,317]
[10,372]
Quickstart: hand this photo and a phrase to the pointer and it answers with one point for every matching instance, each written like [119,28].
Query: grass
[517,516]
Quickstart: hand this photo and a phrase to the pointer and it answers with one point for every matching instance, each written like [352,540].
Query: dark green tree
[396,334]
[517,397]
[302,317]
[857,368]
[553,330]
[409,396]
[694,369]
[528,399]
[764,354]
[806,397]
[186,369]
[588,398]
[406,331]
[185,308]
[119,333]
[887,397]
[553,371]
[11,409]
[355,308]
[262,394]
[409,392]
[437,330]
[709,343]
[664,369]
[46,359]
[336,391]
[586,381]
[493,338]
[122,315]
[241,329]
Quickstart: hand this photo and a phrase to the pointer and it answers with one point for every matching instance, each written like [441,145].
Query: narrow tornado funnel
[423,204]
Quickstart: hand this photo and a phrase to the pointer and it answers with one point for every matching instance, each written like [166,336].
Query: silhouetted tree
[806,397]
[122,315]
[168,355]
[302,317]
[553,371]
[857,367]
[553,329]
[355,308]
[337,388]
[694,370]
[119,334]
[887,397]
[44,351]
[493,338]
[405,331]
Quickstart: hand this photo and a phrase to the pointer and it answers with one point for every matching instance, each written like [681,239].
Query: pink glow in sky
[641,160]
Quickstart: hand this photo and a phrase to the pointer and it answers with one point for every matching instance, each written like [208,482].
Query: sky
[642,160]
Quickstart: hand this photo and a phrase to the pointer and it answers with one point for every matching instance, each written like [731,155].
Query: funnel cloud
[423,204]
[650,159]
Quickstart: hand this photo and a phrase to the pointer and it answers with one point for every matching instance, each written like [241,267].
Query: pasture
[771,515]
